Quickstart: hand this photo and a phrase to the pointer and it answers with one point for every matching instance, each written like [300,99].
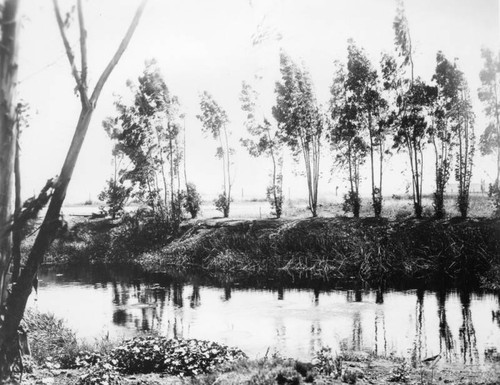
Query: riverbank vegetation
[59,358]
[374,251]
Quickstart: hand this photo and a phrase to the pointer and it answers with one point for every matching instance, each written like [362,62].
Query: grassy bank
[152,360]
[377,252]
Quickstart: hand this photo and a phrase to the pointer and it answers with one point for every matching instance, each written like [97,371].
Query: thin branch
[118,53]
[71,56]
[83,44]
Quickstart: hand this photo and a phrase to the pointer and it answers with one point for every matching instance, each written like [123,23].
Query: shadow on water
[285,315]
[446,342]
[468,342]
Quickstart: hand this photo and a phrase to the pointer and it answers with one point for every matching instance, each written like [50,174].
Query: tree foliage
[358,112]
[300,121]
[264,141]
[214,122]
[415,100]
[489,93]
[146,132]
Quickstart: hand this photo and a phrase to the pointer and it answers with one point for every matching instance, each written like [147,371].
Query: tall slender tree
[364,109]
[265,141]
[300,121]
[414,102]
[489,94]
[14,302]
[464,158]
[214,120]
[442,132]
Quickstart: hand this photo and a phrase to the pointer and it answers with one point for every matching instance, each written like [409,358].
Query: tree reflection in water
[467,333]
[380,331]
[194,300]
[419,350]
[446,343]
[299,322]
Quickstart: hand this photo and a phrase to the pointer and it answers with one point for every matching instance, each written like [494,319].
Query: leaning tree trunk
[13,312]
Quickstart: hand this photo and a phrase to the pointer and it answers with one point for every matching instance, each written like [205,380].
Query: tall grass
[373,251]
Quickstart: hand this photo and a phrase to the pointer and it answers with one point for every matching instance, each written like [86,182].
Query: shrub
[400,373]
[494,195]
[115,195]
[326,364]
[51,341]
[101,374]
[352,203]
[172,356]
[222,204]
[191,200]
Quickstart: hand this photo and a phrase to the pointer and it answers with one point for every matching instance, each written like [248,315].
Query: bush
[101,374]
[172,356]
[54,345]
[222,204]
[191,200]
[114,195]
[51,341]
[400,373]
[494,195]
[352,203]
[326,364]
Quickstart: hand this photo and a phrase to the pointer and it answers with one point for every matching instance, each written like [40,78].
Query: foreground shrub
[172,356]
[54,345]
[50,339]
[101,374]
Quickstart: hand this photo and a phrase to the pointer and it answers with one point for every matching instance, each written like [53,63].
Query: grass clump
[51,341]
[54,345]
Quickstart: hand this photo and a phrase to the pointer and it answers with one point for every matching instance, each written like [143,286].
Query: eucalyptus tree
[414,102]
[264,141]
[300,121]
[13,301]
[346,134]
[214,121]
[443,133]
[147,133]
[363,90]
[489,95]
[464,157]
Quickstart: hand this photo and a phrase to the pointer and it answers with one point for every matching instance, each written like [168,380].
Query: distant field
[480,206]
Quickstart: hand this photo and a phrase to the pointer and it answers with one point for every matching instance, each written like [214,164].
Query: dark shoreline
[360,252]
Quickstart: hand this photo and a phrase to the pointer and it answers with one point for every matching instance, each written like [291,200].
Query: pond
[274,315]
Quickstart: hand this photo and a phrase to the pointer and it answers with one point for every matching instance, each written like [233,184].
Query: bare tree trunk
[16,232]
[8,134]
[16,301]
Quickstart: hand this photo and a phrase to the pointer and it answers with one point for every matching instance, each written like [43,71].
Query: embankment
[377,252]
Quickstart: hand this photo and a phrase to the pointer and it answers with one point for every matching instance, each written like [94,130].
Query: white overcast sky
[207,45]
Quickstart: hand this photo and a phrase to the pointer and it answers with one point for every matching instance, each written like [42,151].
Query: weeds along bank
[57,357]
[369,250]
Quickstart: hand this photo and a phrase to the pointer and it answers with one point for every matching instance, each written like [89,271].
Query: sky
[207,45]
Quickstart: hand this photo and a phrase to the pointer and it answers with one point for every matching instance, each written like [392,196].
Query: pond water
[275,316]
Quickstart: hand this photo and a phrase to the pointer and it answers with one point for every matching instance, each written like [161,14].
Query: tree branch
[119,52]
[71,56]
[83,44]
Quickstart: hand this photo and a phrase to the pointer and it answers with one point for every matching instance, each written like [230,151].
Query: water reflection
[446,342]
[468,342]
[419,351]
[296,322]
